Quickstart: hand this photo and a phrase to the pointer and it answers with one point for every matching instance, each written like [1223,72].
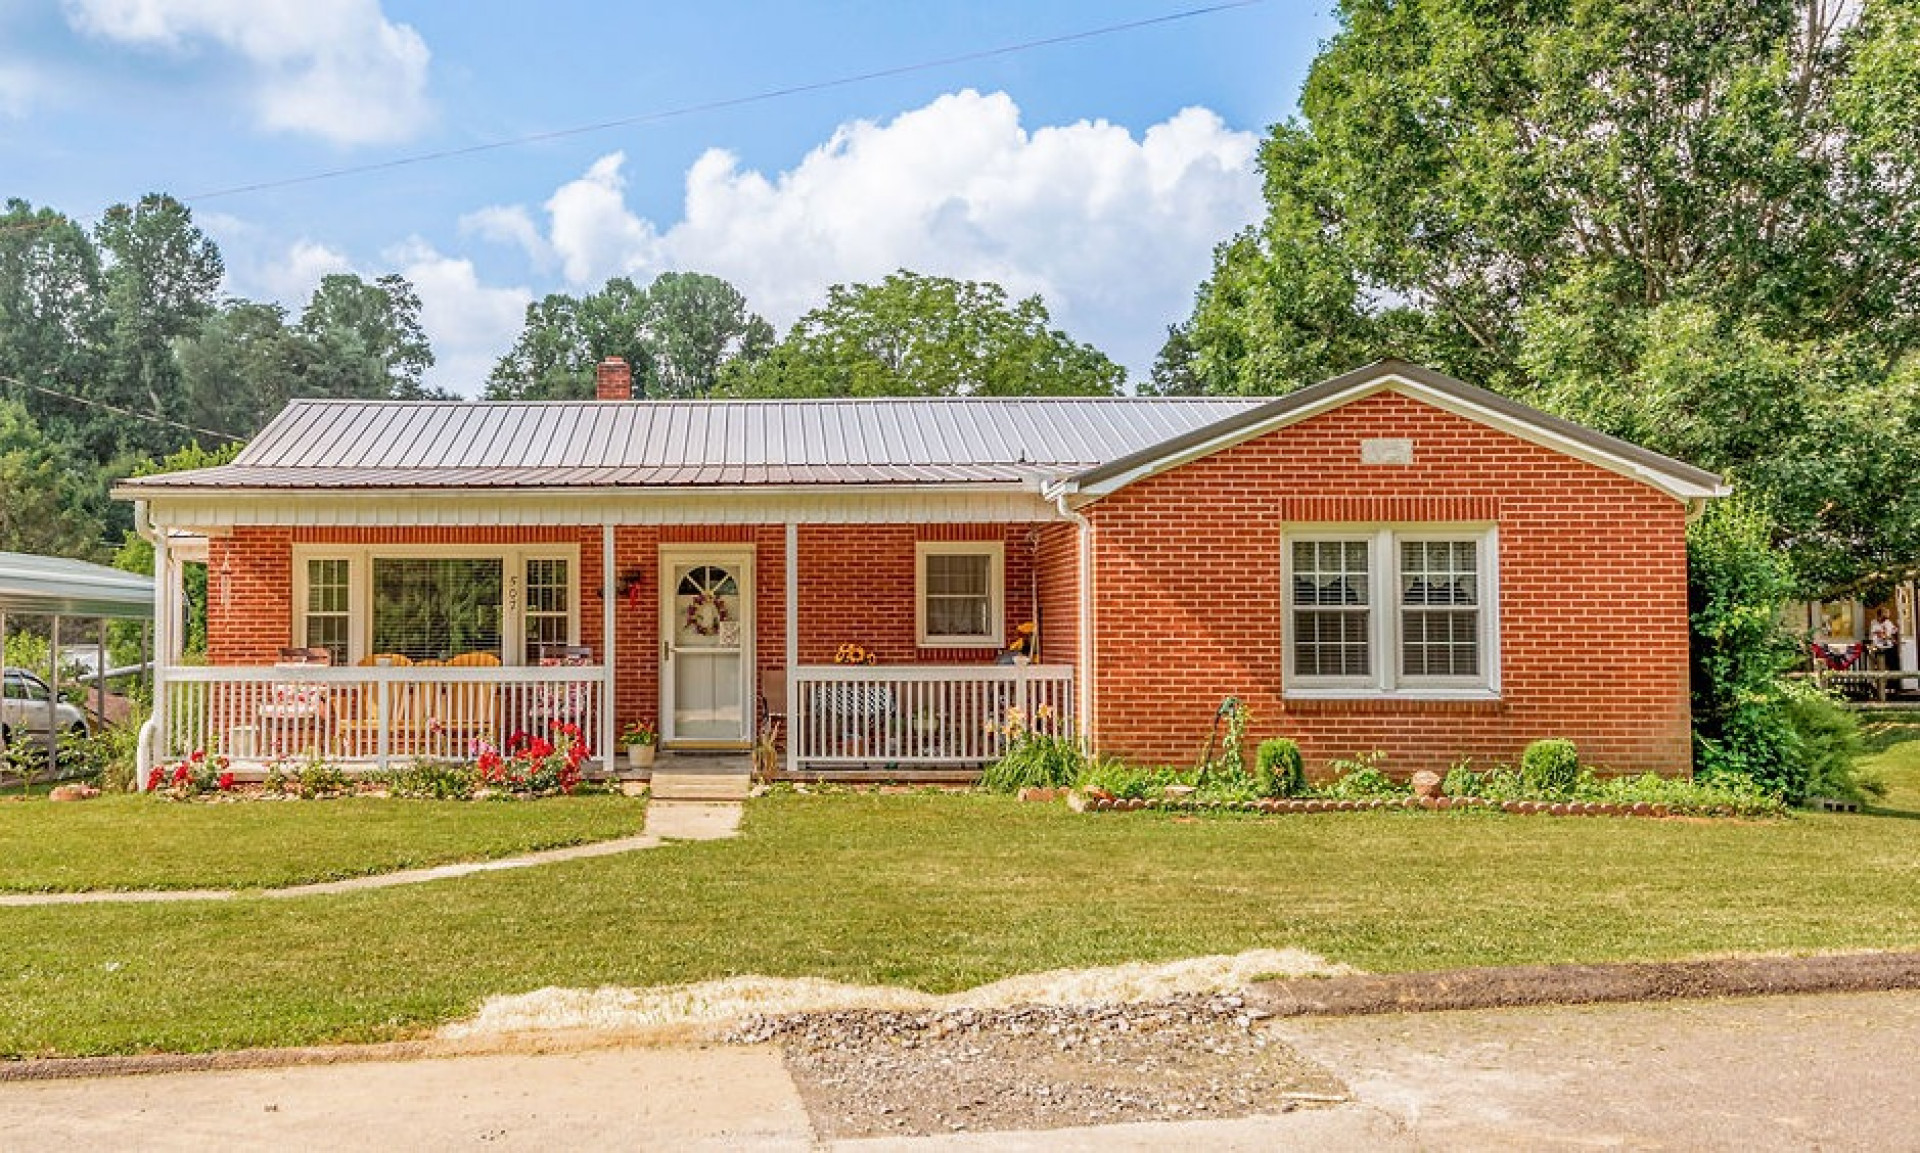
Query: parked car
[23,709]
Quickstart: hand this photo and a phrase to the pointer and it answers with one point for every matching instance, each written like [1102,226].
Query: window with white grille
[1374,610]
[960,593]
[329,607]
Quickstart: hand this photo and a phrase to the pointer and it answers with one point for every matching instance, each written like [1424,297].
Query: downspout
[1084,690]
[144,757]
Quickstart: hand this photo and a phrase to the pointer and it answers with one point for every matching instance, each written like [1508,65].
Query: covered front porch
[369,647]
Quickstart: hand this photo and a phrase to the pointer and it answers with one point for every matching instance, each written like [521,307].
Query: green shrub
[1551,768]
[1035,761]
[1827,741]
[1129,781]
[318,778]
[1735,796]
[1462,781]
[1361,778]
[1279,770]
[434,780]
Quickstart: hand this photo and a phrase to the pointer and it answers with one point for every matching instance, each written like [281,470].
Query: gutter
[1084,690]
[144,757]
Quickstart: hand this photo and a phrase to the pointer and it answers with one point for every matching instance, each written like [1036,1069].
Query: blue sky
[1098,173]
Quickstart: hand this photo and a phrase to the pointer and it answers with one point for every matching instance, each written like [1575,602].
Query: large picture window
[435,609]
[509,603]
[1380,611]
[960,593]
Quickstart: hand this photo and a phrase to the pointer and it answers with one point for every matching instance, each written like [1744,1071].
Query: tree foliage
[913,335]
[1694,225]
[679,334]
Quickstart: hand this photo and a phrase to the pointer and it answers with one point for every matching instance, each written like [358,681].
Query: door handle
[666,651]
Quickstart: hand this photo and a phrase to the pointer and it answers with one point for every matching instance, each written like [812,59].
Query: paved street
[1827,1072]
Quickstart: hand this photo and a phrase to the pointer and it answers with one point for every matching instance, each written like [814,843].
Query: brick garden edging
[1084,804]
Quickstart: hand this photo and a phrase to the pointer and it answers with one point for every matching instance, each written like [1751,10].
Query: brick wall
[1592,585]
[857,584]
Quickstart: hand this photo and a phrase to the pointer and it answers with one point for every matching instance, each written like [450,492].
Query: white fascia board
[211,510]
[1676,487]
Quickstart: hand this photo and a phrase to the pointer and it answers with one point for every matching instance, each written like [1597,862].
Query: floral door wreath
[706,613]
[706,590]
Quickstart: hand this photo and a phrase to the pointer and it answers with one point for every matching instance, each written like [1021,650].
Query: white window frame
[1385,680]
[996,552]
[513,567]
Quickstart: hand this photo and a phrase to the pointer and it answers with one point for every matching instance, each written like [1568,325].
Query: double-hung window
[960,593]
[1391,611]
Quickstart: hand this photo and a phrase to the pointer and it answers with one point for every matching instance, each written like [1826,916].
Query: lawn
[145,843]
[944,892]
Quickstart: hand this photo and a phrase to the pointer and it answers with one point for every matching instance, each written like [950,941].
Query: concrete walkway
[1824,1072]
[670,821]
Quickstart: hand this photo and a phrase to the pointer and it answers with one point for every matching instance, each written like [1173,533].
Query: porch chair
[567,703]
[363,719]
[468,712]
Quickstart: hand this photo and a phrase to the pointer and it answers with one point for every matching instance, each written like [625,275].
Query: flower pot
[640,756]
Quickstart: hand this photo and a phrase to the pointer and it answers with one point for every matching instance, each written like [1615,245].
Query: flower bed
[1082,802]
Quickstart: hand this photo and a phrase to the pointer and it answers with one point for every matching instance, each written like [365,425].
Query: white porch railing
[369,715]
[878,717]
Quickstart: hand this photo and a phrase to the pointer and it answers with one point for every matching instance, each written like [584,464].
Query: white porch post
[607,634]
[1905,604]
[792,570]
[153,751]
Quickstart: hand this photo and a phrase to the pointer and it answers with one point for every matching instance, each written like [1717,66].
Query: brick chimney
[612,380]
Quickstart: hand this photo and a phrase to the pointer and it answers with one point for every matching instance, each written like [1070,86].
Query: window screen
[327,607]
[1331,615]
[435,609]
[959,589]
[1439,608]
[548,607]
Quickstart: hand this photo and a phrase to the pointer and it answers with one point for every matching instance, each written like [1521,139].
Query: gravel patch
[721,1004]
[869,1073]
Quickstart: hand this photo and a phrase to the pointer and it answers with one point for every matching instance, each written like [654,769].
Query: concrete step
[702,778]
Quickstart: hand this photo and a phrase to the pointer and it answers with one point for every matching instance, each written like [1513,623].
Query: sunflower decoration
[852,654]
[1022,643]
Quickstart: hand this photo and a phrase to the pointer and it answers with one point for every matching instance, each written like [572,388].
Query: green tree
[52,313]
[1695,225]
[913,335]
[241,367]
[161,276]
[42,505]
[365,340]
[679,333]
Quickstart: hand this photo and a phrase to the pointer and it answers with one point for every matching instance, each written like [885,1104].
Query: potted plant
[640,737]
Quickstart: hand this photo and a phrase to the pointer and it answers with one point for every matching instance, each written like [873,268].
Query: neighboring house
[1390,560]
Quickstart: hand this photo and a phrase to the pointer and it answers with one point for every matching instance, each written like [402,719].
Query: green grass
[144,843]
[944,892]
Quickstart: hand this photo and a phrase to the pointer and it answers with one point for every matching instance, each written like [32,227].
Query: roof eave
[1676,478]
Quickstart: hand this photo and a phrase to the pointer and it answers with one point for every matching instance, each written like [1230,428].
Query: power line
[151,418]
[685,110]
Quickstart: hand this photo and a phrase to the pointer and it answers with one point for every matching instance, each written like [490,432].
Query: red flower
[181,773]
[153,780]
[226,781]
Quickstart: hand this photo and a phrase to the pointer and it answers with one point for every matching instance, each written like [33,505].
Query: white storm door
[706,646]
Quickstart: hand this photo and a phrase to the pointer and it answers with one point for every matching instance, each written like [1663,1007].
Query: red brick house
[1390,560]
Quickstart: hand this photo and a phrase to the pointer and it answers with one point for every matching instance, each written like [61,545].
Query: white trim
[360,558]
[1385,681]
[218,511]
[996,554]
[1673,486]
[726,553]
[790,708]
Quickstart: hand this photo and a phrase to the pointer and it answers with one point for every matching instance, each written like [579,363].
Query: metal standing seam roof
[56,586]
[398,444]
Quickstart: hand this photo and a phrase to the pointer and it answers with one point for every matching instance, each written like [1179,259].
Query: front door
[706,646]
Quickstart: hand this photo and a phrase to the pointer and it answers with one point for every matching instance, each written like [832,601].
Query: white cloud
[510,224]
[468,323]
[20,85]
[1114,231]
[338,69]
